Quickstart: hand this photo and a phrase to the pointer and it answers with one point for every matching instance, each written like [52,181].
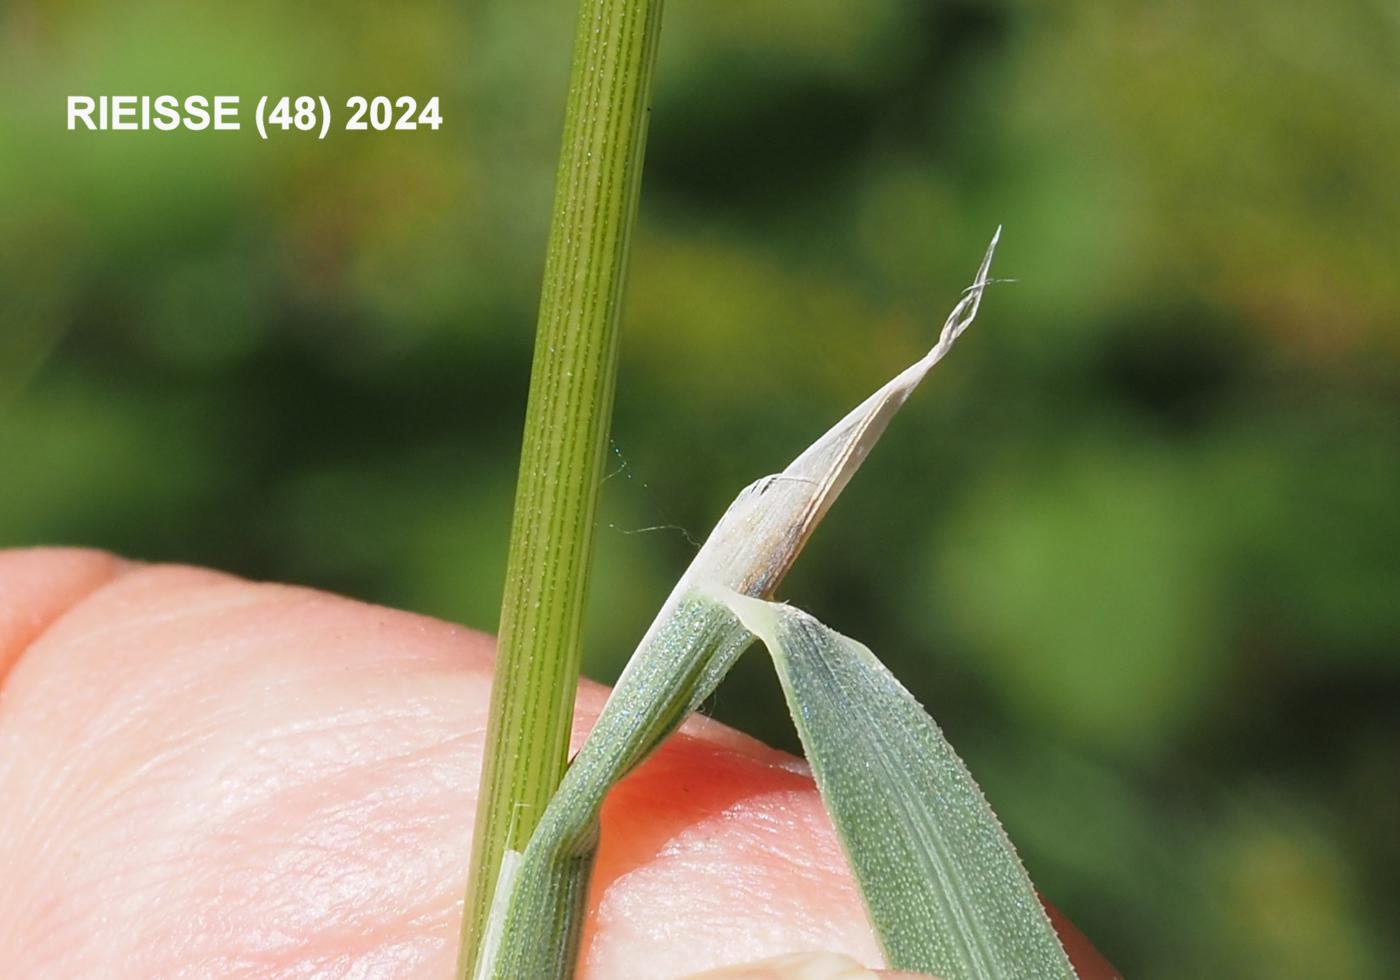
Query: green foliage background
[1137,545]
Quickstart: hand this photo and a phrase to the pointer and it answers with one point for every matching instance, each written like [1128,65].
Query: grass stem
[565,441]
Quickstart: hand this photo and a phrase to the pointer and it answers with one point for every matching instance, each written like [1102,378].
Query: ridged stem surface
[565,443]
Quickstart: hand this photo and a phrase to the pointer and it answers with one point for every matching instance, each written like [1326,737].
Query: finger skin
[37,586]
[1088,962]
[203,776]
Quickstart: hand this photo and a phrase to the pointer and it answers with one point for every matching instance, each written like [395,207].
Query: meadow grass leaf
[944,887]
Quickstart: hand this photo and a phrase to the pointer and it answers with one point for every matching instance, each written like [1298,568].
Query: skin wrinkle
[344,828]
[369,714]
[212,604]
[170,764]
[736,856]
[362,864]
[193,609]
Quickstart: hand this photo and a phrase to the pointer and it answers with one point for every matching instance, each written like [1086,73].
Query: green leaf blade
[945,889]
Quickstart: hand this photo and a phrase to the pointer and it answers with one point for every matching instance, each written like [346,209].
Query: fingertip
[38,585]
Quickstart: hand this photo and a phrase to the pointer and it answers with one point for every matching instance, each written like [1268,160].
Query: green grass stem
[565,442]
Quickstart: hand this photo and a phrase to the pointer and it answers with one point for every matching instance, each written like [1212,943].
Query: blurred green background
[1137,544]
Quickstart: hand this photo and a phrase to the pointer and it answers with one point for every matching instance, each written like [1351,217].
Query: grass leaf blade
[945,889]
